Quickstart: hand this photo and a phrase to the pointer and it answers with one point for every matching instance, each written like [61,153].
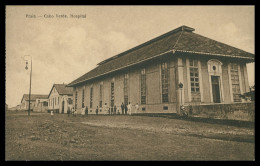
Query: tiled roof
[181,39]
[63,90]
[192,42]
[33,97]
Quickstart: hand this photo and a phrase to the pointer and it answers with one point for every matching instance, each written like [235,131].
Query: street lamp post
[30,83]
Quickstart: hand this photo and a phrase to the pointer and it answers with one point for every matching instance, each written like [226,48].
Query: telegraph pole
[30,84]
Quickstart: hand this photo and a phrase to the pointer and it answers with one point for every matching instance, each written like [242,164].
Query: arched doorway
[215,80]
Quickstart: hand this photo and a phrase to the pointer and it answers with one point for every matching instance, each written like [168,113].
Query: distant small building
[60,98]
[25,101]
[41,104]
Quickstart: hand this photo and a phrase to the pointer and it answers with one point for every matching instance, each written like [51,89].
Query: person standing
[129,108]
[51,113]
[111,110]
[122,108]
[83,111]
[75,112]
[136,107]
[97,111]
[68,111]
[126,108]
[106,109]
[86,111]
[115,109]
[72,111]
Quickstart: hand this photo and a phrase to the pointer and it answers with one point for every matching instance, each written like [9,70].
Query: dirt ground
[121,137]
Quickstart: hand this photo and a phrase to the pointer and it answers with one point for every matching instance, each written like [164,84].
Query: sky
[63,49]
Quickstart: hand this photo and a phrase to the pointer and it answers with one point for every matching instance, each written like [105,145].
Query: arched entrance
[215,80]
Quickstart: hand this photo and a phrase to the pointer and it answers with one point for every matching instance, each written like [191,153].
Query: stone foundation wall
[236,111]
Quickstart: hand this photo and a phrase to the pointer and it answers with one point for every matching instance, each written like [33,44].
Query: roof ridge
[181,28]
[177,40]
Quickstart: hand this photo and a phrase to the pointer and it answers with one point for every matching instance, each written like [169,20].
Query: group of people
[126,109]
[110,110]
[74,111]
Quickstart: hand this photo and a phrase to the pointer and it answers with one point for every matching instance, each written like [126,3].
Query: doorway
[62,111]
[215,89]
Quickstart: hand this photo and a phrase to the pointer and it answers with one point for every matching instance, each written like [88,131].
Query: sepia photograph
[129,83]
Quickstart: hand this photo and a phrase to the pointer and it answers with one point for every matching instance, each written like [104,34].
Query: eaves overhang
[118,69]
[250,59]
[173,51]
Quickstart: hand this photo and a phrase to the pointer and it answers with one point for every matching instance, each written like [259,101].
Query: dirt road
[42,137]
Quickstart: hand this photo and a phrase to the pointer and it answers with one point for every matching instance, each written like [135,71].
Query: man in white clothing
[136,107]
[83,111]
[129,108]
[106,108]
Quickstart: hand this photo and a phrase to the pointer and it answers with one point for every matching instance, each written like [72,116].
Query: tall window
[112,94]
[91,97]
[165,82]
[76,100]
[126,88]
[235,82]
[143,87]
[83,97]
[100,94]
[45,103]
[194,80]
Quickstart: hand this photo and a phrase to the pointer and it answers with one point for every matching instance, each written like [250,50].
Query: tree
[249,95]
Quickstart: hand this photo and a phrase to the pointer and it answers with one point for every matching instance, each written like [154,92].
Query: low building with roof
[177,68]
[34,98]
[60,98]
[41,104]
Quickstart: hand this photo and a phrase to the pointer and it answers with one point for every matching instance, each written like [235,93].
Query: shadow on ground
[236,123]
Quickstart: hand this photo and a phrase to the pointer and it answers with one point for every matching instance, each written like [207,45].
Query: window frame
[126,88]
[194,80]
[91,97]
[235,82]
[112,94]
[100,95]
[76,99]
[165,81]
[143,89]
[83,98]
